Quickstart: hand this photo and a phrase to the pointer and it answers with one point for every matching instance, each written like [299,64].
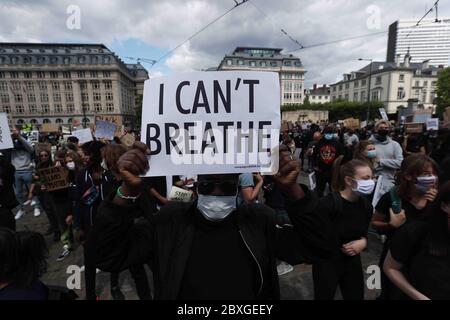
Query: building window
[7,109]
[98,107]
[298,76]
[287,86]
[106,74]
[109,96]
[355,96]
[29,85]
[417,84]
[363,82]
[425,83]
[297,86]
[375,96]
[84,96]
[41,74]
[110,107]
[240,62]
[4,98]
[288,76]
[263,64]
[340,87]
[424,96]
[287,63]
[85,107]
[31,97]
[2,75]
[55,85]
[15,85]
[3,86]
[42,85]
[45,108]
[356,85]
[14,75]
[229,62]
[70,108]
[44,97]
[95,85]
[362,96]
[59,121]
[46,121]
[347,86]
[401,78]
[66,75]
[97,96]
[346,97]
[252,63]
[53,75]
[33,121]
[400,93]
[378,80]
[334,89]
[18,97]
[287,96]
[83,85]
[108,84]
[67,85]
[27,75]
[273,64]
[69,96]
[33,109]
[94,74]
[20,109]
[57,97]
[81,74]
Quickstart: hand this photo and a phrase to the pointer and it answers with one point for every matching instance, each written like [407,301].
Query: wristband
[129,198]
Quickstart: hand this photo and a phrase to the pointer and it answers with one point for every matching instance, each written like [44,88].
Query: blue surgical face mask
[371,154]
[328,136]
[425,183]
[216,208]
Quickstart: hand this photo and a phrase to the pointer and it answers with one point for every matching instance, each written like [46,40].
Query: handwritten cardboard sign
[178,194]
[105,129]
[413,127]
[128,140]
[56,178]
[83,135]
[351,123]
[49,127]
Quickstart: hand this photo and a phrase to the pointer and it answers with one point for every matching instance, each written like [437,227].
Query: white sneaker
[37,212]
[33,203]
[19,214]
[26,203]
[284,268]
[82,269]
[98,270]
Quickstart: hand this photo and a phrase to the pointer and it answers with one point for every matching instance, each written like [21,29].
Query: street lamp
[368,88]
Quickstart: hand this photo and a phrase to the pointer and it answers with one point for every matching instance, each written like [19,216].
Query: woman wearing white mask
[349,214]
[407,202]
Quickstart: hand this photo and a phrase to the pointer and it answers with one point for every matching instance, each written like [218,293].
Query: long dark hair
[438,235]
[413,166]
[32,258]
[8,255]
[342,170]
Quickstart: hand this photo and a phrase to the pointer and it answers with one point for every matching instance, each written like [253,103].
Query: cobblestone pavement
[296,285]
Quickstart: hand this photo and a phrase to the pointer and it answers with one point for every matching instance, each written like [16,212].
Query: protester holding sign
[215,250]
[409,201]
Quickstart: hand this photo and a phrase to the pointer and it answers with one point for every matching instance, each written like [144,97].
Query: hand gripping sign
[212,122]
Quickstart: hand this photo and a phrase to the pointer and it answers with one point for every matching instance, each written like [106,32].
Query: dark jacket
[163,241]
[8,199]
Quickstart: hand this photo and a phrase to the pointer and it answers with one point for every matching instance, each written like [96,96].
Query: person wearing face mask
[327,150]
[348,212]
[418,261]
[210,248]
[389,154]
[408,202]
[365,151]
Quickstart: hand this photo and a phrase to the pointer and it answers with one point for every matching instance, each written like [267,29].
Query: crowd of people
[236,234]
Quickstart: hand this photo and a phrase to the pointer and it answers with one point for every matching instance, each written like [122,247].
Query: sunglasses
[207,187]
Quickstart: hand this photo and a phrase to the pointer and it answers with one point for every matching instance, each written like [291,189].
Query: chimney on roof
[315,86]
[324,86]
[397,60]
[426,64]
[407,60]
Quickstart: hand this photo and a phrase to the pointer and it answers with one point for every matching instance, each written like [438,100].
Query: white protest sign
[105,129]
[5,133]
[178,194]
[383,114]
[212,123]
[83,135]
[363,124]
[433,124]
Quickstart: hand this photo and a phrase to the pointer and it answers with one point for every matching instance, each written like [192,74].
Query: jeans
[22,181]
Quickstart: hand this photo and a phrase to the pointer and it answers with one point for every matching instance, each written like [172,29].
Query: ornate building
[67,84]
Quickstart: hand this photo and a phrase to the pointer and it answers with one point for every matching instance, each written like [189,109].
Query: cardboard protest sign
[212,122]
[83,135]
[383,114]
[33,137]
[351,123]
[363,124]
[105,129]
[5,133]
[128,140]
[65,130]
[38,147]
[433,124]
[421,116]
[55,178]
[413,127]
[178,194]
[49,127]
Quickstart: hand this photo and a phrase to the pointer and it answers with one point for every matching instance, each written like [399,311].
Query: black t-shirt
[411,212]
[349,220]
[429,274]
[326,152]
[37,291]
[220,267]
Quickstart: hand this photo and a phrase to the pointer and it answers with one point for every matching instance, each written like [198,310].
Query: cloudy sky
[150,28]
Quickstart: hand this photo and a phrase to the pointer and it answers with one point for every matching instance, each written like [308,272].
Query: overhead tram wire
[202,29]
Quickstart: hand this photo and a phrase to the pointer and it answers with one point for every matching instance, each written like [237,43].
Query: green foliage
[339,110]
[443,91]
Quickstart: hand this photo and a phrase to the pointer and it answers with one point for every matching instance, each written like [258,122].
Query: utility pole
[368,86]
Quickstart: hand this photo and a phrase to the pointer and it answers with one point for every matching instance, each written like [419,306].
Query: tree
[443,91]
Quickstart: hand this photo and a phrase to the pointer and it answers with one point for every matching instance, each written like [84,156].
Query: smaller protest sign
[178,194]
[363,124]
[83,135]
[351,123]
[433,124]
[65,130]
[38,147]
[33,137]
[128,140]
[383,114]
[413,127]
[5,133]
[49,127]
[105,129]
[56,178]
[421,116]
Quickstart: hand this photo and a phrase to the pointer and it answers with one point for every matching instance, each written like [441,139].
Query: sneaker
[117,294]
[19,214]
[26,203]
[284,268]
[82,268]
[33,203]
[37,212]
[64,254]
[98,271]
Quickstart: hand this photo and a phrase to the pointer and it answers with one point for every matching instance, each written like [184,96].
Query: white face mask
[216,208]
[104,165]
[70,165]
[364,187]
